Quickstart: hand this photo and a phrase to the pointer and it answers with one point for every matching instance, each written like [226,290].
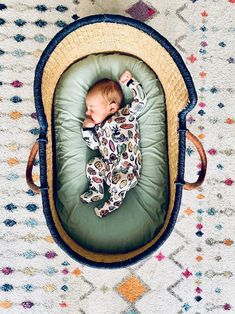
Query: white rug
[193,270]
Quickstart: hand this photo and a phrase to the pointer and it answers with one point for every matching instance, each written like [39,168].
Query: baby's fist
[88,123]
[125,77]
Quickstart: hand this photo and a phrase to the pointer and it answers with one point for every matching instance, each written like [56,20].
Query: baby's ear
[114,107]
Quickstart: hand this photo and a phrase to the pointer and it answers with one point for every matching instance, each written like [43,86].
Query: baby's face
[97,107]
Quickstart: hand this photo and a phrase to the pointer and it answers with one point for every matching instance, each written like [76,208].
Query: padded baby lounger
[107,34]
[144,207]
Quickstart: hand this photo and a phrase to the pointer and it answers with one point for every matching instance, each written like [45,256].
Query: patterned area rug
[193,271]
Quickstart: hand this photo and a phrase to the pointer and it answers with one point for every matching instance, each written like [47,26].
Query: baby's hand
[125,77]
[88,123]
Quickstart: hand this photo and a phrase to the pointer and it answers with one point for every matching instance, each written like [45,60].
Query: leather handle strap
[29,168]
[201,151]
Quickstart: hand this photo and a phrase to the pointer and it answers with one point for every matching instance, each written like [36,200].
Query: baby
[113,130]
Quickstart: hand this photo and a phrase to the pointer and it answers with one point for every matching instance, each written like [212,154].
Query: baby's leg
[121,183]
[95,171]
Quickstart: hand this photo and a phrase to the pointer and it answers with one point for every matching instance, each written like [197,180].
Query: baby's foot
[91,196]
[101,213]
[106,209]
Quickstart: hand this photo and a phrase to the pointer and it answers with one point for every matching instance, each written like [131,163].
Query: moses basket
[114,34]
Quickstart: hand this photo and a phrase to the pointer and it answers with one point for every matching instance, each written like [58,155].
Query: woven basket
[105,34]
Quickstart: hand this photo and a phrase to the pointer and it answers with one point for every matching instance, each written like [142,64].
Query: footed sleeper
[118,140]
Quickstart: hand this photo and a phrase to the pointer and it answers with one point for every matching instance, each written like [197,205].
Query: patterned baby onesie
[118,140]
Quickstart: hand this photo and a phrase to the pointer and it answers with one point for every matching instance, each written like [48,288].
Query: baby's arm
[137,91]
[89,135]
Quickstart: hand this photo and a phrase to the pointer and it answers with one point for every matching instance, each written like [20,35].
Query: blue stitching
[42,140]
[180,183]
[182,130]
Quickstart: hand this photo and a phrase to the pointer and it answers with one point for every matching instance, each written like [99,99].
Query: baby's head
[103,99]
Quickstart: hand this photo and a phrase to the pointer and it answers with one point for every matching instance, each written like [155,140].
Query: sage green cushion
[143,210]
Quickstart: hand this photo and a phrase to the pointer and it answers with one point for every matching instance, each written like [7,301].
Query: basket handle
[201,151]
[29,179]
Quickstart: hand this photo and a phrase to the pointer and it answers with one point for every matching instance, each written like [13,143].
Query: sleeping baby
[114,130]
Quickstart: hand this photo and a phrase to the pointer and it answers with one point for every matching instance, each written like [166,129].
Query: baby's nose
[88,112]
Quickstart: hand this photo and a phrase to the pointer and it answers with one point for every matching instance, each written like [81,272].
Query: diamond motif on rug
[141,11]
[132,289]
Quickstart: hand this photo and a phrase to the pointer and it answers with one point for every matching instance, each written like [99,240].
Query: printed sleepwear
[118,140]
